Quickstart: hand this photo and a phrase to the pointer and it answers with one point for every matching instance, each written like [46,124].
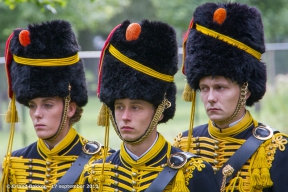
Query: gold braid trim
[254,175]
[192,165]
[47,62]
[111,179]
[138,66]
[262,160]
[229,40]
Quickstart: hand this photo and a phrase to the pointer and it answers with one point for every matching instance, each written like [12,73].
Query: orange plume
[24,38]
[133,31]
[219,15]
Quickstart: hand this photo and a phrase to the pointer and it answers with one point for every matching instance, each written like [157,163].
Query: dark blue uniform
[271,155]
[122,173]
[36,168]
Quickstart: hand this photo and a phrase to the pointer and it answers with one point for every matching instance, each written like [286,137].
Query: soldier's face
[220,97]
[46,114]
[133,117]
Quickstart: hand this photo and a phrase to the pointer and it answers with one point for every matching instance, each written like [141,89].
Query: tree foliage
[83,14]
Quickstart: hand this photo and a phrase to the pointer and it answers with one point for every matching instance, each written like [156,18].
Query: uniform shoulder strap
[175,162]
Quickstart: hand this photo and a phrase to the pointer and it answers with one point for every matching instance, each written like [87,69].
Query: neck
[237,118]
[55,141]
[141,148]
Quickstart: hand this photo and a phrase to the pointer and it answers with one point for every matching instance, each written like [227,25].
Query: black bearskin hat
[227,39]
[139,62]
[42,61]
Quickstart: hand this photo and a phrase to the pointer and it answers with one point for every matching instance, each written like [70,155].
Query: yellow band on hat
[139,66]
[47,62]
[228,40]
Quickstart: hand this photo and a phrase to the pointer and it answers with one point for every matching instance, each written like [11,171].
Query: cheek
[31,113]
[203,97]
[117,117]
[55,116]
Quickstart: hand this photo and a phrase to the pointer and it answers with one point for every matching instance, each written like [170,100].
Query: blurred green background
[92,20]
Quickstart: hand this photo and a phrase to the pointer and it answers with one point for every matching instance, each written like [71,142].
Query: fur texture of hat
[156,48]
[49,40]
[209,56]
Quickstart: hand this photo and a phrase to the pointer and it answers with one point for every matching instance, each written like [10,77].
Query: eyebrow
[45,99]
[132,102]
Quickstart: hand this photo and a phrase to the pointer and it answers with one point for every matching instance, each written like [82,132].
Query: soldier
[46,74]
[223,61]
[136,85]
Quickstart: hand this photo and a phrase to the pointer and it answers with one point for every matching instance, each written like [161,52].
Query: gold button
[47,182]
[196,138]
[116,190]
[30,180]
[215,155]
[48,163]
[216,162]
[116,167]
[134,174]
[48,176]
[216,142]
[216,147]
[198,151]
[133,190]
[134,183]
[116,183]
[30,167]
[30,160]
[215,169]
[30,174]
[48,170]
[45,188]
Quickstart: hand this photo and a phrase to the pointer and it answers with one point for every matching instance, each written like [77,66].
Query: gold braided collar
[151,154]
[66,141]
[138,66]
[228,40]
[233,130]
[47,62]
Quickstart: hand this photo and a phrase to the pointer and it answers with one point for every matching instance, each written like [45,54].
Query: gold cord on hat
[12,120]
[47,62]
[64,117]
[138,66]
[228,40]
[241,102]
[164,105]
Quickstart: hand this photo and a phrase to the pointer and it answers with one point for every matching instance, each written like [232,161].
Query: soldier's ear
[248,94]
[71,109]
